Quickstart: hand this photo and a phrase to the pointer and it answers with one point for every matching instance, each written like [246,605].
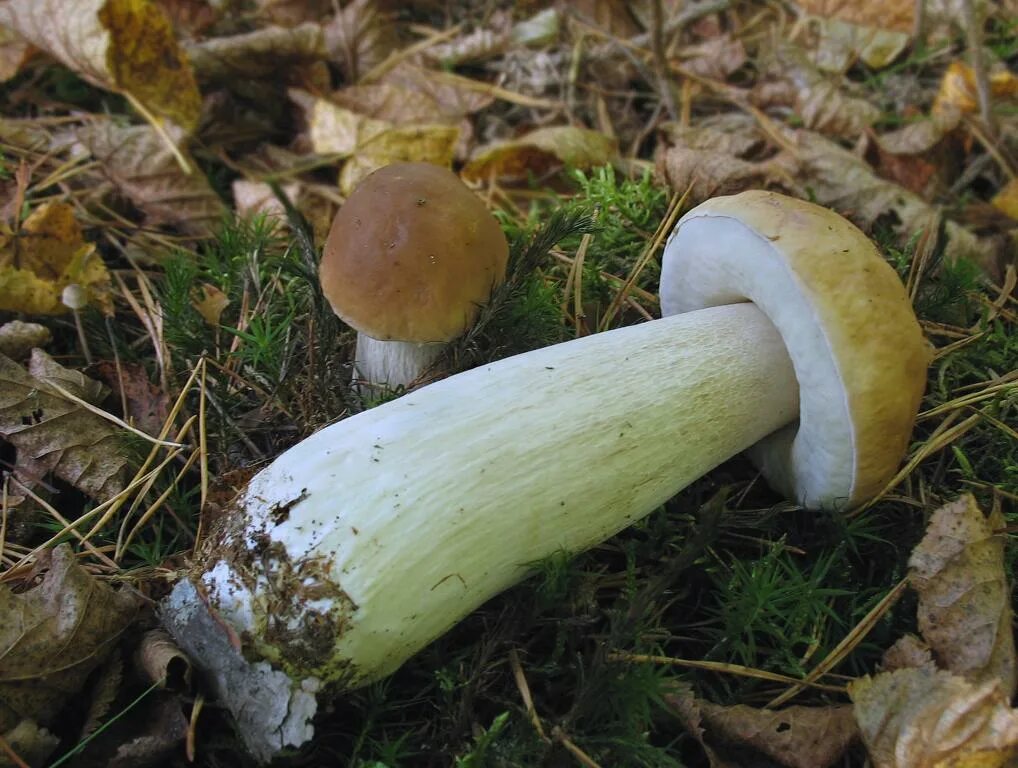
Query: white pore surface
[717,260]
[428,505]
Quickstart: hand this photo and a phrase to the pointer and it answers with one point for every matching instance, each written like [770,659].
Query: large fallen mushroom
[357,547]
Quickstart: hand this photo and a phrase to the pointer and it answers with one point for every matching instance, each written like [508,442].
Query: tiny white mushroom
[371,538]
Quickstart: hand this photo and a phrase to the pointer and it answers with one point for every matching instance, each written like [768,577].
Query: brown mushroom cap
[412,255]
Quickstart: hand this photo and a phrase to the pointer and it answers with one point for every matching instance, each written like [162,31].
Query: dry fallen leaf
[264,52]
[453,99]
[143,168]
[958,88]
[52,637]
[540,152]
[210,302]
[474,46]
[359,38]
[819,100]
[340,131]
[43,257]
[687,708]
[15,51]
[923,156]
[1007,199]
[923,718]
[729,133]
[164,729]
[54,434]
[290,13]
[253,198]
[127,46]
[798,737]
[706,174]
[107,681]
[317,203]
[715,58]
[613,16]
[908,652]
[895,15]
[369,143]
[30,743]
[162,661]
[847,29]
[147,405]
[964,599]
[841,180]
[17,338]
[435,144]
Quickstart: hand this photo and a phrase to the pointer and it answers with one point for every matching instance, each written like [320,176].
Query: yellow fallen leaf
[958,88]
[210,302]
[540,151]
[370,143]
[336,130]
[46,255]
[1007,199]
[126,46]
[432,143]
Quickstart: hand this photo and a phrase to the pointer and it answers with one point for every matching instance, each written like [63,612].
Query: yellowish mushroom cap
[858,352]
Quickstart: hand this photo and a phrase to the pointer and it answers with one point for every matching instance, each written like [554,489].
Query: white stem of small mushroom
[392,364]
[423,508]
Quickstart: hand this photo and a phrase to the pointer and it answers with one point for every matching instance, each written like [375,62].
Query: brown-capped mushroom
[410,258]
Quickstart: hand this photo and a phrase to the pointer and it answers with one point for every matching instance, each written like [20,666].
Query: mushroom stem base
[392,365]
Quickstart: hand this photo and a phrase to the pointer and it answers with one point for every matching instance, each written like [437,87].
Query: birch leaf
[370,143]
[46,255]
[541,151]
[125,46]
[1007,199]
[958,88]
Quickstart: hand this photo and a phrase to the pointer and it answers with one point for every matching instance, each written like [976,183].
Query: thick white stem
[366,541]
[392,364]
